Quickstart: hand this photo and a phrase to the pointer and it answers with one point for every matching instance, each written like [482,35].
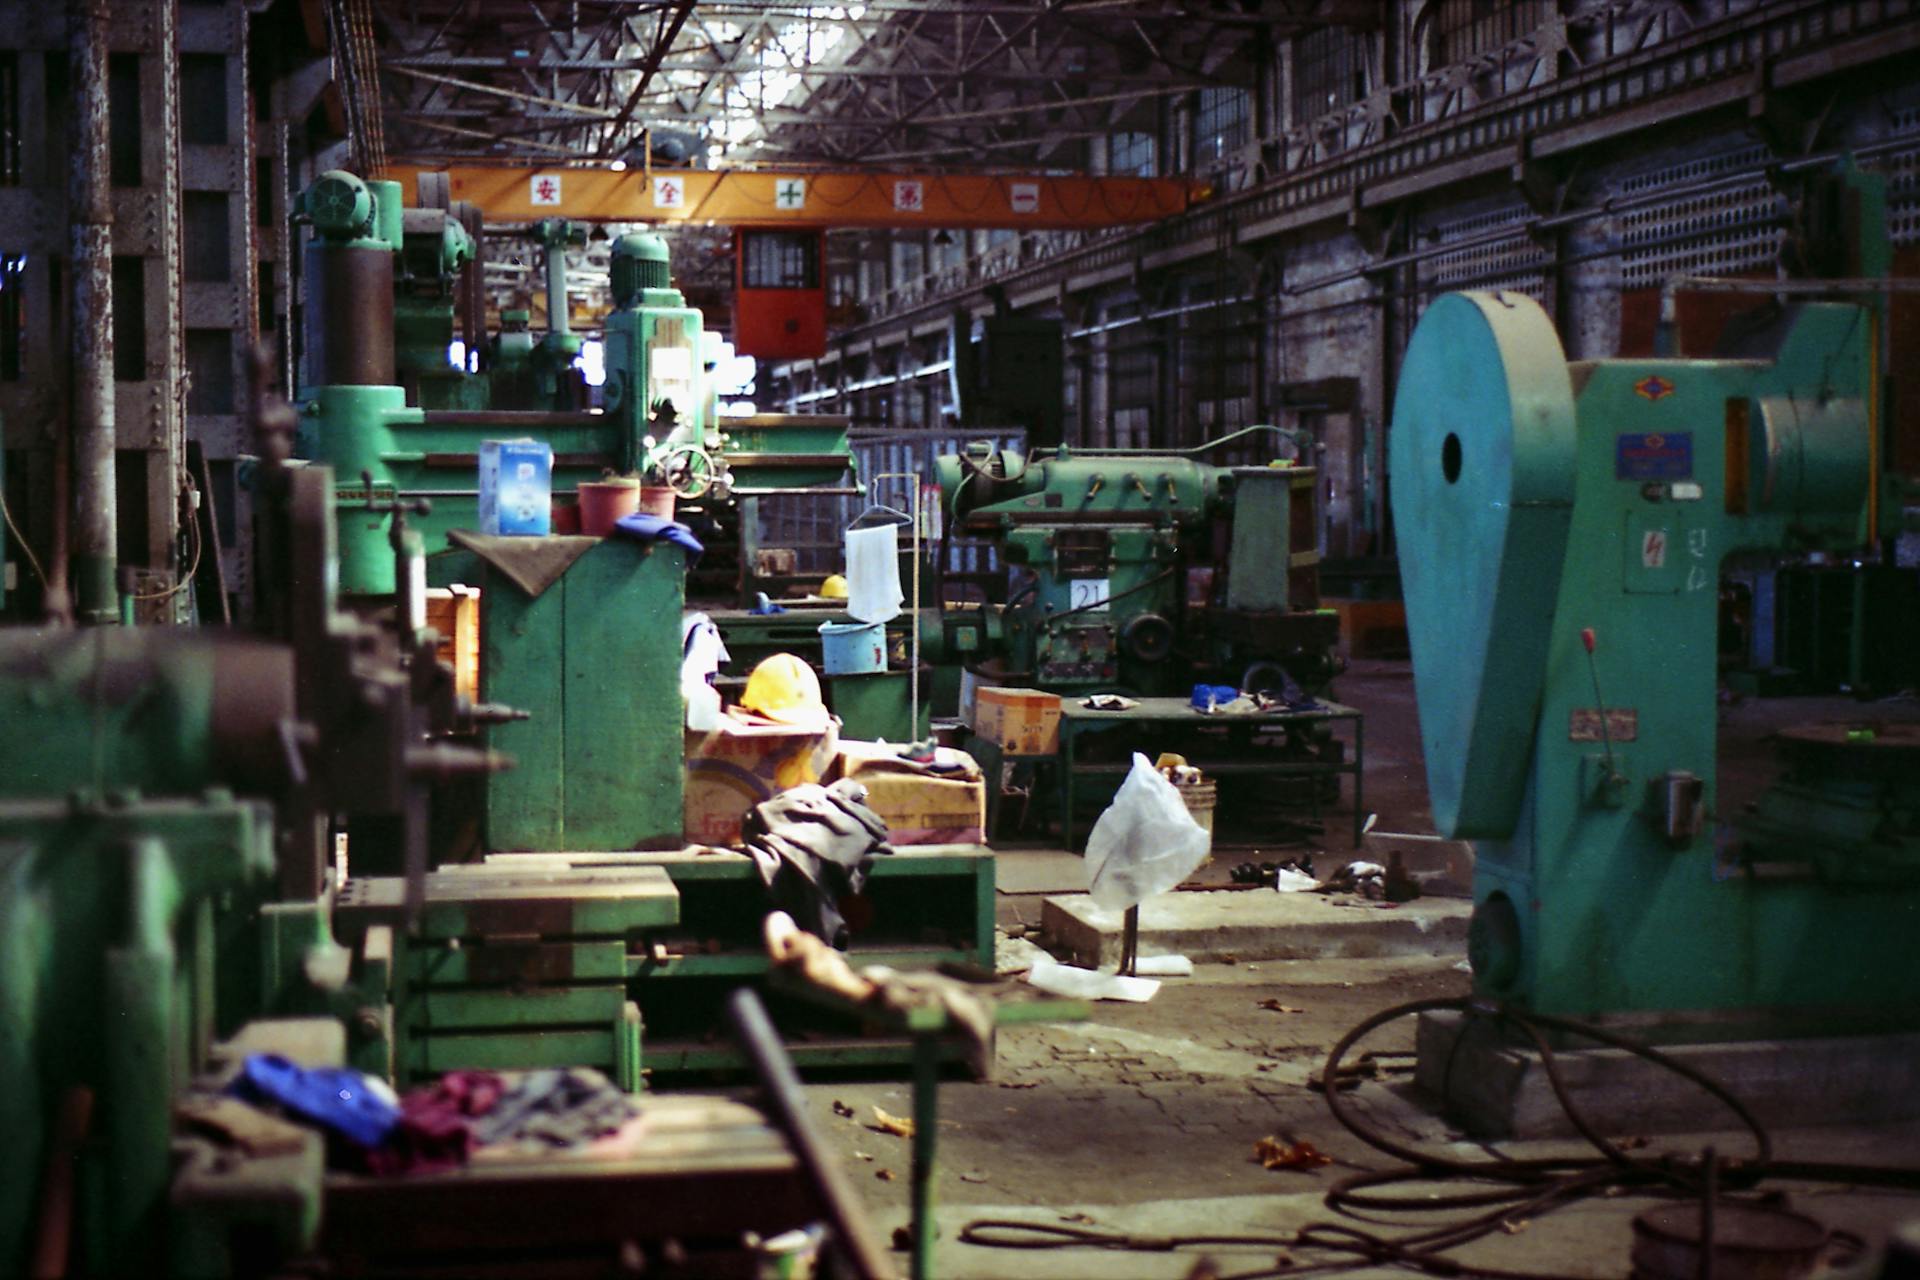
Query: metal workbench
[1178,717]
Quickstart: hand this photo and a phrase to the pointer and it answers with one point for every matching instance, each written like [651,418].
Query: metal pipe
[558,321]
[90,220]
[781,1090]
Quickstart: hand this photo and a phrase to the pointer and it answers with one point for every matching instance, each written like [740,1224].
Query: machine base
[1496,1089]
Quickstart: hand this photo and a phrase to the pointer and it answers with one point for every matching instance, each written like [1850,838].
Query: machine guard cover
[1482,467]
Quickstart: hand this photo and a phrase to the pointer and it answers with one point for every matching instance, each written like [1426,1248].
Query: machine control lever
[1587,641]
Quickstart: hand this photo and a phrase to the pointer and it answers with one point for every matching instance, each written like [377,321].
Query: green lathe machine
[1561,530]
[1123,548]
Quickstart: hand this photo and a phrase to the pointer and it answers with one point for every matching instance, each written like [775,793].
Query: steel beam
[90,220]
[815,199]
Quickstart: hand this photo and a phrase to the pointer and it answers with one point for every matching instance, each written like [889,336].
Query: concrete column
[90,220]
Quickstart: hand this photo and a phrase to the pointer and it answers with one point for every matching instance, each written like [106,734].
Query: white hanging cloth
[873,573]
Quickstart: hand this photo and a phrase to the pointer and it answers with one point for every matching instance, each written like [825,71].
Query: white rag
[873,573]
[702,653]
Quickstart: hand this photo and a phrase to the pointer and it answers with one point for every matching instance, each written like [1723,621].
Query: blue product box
[516,487]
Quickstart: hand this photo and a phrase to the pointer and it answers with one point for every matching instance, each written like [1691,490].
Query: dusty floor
[1145,1118]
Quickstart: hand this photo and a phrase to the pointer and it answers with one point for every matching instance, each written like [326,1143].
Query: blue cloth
[1207,696]
[338,1100]
[658,529]
[763,606]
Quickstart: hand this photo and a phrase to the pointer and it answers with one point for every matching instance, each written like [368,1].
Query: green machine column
[435,255]
[349,402]
[555,355]
[599,767]
[652,345]
[1561,530]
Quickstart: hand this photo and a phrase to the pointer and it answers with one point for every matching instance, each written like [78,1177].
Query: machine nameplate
[1654,455]
[1088,593]
[1623,725]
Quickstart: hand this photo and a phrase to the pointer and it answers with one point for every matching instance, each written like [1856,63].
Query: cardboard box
[744,761]
[454,612]
[1025,722]
[919,806]
[516,487]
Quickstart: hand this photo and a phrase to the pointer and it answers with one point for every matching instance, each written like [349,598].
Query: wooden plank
[554,905]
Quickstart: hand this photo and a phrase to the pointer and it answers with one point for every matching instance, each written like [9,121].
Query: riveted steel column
[90,222]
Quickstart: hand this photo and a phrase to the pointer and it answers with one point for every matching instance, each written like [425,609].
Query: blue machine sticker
[1655,455]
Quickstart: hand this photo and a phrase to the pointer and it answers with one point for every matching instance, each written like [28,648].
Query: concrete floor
[1145,1118]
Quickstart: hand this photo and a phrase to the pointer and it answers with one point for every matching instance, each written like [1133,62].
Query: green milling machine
[379,403]
[1146,571]
[1561,530]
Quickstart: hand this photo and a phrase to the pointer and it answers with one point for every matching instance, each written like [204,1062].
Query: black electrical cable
[1521,1188]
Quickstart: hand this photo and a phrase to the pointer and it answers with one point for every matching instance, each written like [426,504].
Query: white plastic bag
[702,653]
[1145,843]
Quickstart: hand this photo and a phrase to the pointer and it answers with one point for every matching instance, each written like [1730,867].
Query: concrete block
[1496,1089]
[1259,924]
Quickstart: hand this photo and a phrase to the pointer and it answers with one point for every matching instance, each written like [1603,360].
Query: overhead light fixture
[943,237]
[618,166]
[598,233]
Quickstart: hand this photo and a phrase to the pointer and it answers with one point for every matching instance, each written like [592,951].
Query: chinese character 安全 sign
[544,188]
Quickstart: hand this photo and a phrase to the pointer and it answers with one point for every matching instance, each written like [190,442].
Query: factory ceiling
[935,84]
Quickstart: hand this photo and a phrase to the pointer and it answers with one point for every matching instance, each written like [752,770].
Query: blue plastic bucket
[853,648]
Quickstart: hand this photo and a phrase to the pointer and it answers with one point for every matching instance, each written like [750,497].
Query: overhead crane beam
[802,198]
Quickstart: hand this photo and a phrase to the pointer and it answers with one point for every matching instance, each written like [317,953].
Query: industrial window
[1130,155]
[9,118]
[203,99]
[1464,28]
[1134,381]
[780,260]
[204,237]
[124,127]
[1219,124]
[1328,72]
[210,371]
[129,319]
[13,315]
[268,290]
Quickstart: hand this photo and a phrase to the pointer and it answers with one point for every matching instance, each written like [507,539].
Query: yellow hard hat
[784,688]
[834,588]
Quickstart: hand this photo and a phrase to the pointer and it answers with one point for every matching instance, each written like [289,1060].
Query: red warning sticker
[1623,725]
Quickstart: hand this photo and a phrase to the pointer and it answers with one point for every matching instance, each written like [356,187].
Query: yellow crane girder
[797,198]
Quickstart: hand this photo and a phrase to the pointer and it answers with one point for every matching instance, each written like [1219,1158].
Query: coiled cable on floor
[1517,1190]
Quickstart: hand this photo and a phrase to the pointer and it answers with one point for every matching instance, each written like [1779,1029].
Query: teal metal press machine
[1561,530]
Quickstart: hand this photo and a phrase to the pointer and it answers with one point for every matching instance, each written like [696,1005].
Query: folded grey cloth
[813,846]
[557,1109]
